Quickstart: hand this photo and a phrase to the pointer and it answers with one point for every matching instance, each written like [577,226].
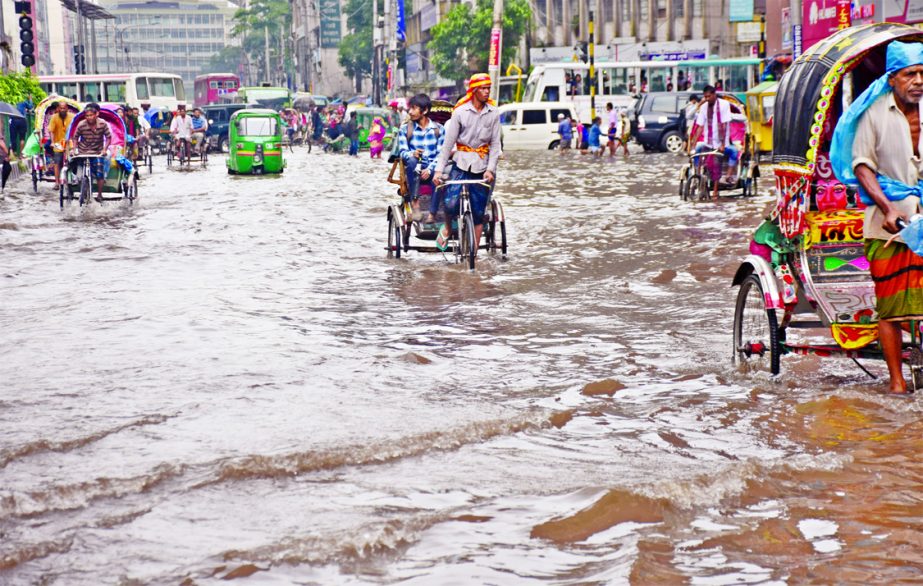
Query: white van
[532,125]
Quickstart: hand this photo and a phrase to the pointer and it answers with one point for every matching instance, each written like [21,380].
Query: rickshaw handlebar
[464,182]
[707,154]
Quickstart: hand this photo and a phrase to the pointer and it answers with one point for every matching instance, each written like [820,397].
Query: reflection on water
[230,380]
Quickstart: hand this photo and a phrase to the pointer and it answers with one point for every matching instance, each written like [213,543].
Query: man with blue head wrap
[877,146]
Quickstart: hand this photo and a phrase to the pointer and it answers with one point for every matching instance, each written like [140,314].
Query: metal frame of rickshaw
[693,178]
[823,271]
[74,186]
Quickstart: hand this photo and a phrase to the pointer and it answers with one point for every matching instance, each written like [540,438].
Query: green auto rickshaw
[255,142]
[365,116]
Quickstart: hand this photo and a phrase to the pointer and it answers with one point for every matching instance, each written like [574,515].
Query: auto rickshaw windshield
[257,127]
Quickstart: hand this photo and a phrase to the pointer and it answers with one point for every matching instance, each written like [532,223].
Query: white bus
[619,82]
[159,89]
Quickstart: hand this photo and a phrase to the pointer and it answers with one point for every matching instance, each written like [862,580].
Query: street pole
[387,25]
[376,70]
[80,34]
[496,50]
[266,53]
[592,51]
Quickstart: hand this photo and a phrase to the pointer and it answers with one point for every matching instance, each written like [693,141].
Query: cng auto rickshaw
[807,269]
[255,142]
[365,117]
[761,101]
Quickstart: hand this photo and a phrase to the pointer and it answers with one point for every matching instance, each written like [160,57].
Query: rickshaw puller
[181,129]
[714,120]
[57,128]
[474,132]
[877,143]
[91,138]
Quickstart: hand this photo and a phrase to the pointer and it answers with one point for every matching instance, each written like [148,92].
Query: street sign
[330,33]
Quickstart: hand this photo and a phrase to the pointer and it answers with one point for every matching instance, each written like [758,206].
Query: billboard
[330,33]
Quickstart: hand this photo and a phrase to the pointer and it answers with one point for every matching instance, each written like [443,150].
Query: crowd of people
[596,137]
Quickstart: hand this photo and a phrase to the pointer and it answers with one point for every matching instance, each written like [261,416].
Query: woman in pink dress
[376,138]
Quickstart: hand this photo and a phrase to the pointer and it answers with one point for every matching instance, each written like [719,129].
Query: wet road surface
[231,380]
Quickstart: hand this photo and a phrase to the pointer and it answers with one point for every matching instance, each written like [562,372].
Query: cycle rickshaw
[42,164]
[406,217]
[122,179]
[807,267]
[695,178]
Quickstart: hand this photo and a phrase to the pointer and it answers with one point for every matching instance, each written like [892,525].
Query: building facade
[318,26]
[173,37]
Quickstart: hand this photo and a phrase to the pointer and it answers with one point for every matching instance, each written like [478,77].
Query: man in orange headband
[472,146]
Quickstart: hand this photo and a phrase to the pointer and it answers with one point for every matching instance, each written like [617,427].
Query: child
[593,137]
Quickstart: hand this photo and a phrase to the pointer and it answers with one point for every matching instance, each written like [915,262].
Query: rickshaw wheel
[692,187]
[916,368]
[683,180]
[34,180]
[61,195]
[84,190]
[395,239]
[469,247]
[756,329]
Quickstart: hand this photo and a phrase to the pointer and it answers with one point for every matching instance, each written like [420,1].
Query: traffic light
[79,63]
[26,47]
[584,50]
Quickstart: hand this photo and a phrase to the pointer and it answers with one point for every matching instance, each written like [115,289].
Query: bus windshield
[266,97]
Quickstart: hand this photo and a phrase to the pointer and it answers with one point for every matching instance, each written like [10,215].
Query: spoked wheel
[467,246]
[691,187]
[85,191]
[683,180]
[916,369]
[703,188]
[131,189]
[756,330]
[395,238]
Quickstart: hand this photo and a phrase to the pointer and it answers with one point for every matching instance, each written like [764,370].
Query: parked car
[219,117]
[659,121]
[532,125]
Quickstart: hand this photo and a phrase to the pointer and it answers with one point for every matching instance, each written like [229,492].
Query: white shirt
[722,107]
[181,126]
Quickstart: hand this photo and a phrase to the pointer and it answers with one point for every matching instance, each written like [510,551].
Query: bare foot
[899,388]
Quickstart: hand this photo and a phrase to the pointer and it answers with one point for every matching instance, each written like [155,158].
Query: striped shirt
[424,139]
[91,139]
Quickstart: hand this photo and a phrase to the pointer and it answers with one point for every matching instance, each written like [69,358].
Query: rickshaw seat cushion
[425,189]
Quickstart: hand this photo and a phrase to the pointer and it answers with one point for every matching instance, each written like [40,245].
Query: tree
[252,24]
[461,42]
[15,87]
[356,52]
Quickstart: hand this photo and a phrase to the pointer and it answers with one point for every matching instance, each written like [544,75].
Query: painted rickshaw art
[121,182]
[807,268]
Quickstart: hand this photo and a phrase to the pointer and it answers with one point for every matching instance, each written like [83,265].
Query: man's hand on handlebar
[488,176]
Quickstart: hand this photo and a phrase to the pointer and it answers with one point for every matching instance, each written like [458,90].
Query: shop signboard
[330,33]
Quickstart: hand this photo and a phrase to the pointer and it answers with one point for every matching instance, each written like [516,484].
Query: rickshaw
[122,179]
[406,217]
[42,164]
[255,138]
[760,103]
[807,267]
[694,177]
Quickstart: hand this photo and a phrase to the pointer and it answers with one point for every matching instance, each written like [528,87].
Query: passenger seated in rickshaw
[91,138]
[199,127]
[713,125]
[420,141]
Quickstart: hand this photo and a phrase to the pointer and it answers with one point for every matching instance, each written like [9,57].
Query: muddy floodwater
[230,380]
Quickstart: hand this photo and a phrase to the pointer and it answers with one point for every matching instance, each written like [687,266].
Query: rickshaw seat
[424,189]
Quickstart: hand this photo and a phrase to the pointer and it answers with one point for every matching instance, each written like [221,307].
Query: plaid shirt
[424,140]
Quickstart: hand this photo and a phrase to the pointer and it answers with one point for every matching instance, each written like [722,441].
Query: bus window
[141,88]
[90,91]
[213,84]
[180,90]
[115,91]
[615,81]
[657,79]
[735,78]
[551,94]
[68,89]
[162,87]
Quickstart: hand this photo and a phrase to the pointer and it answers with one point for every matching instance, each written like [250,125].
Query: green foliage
[251,25]
[15,87]
[461,42]
[356,52]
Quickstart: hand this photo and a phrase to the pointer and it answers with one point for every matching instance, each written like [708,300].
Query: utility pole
[376,65]
[496,50]
[266,77]
[592,53]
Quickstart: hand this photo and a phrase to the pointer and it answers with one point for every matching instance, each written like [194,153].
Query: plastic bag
[33,147]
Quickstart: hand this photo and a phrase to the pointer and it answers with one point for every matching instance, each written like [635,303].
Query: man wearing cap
[877,145]
[566,132]
[473,132]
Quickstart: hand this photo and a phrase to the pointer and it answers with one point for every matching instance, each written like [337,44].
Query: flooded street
[230,380]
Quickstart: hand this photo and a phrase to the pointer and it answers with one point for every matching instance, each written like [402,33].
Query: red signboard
[494,59]
[843,18]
